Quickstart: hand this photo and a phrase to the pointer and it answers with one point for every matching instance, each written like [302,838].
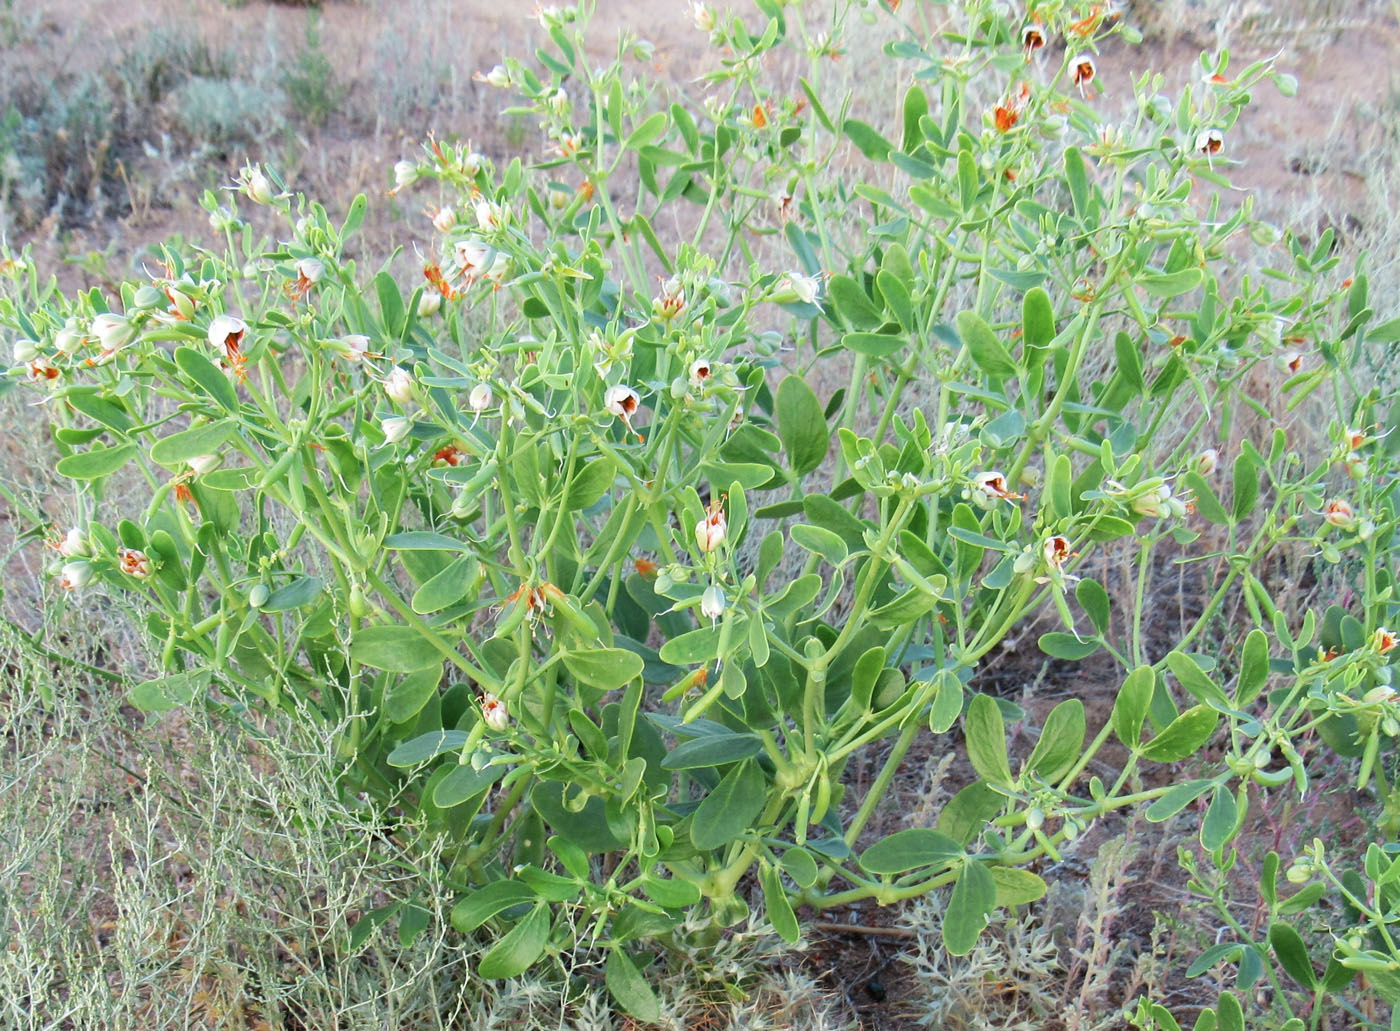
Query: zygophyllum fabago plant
[608,587]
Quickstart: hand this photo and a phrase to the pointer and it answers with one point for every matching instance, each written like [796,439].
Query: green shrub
[606,586]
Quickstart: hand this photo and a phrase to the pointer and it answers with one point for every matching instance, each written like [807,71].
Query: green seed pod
[258,596]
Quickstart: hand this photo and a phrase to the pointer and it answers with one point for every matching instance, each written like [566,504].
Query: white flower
[429,303]
[493,711]
[226,332]
[622,401]
[25,351]
[74,544]
[395,428]
[202,464]
[134,563]
[481,398]
[75,575]
[992,484]
[700,372]
[1338,513]
[398,385]
[405,174]
[445,219]
[1383,641]
[310,269]
[66,340]
[712,602]
[113,332]
[1207,461]
[704,16]
[1210,142]
[559,102]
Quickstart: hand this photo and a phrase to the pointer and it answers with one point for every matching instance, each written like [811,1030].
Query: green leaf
[394,648]
[846,299]
[210,379]
[1171,284]
[426,746]
[984,347]
[800,866]
[1078,179]
[1016,887]
[518,950]
[775,901]
[1254,668]
[730,809]
[1037,326]
[867,140]
[1206,501]
[875,345]
[99,409]
[967,812]
[413,922]
[1229,1014]
[819,542]
[1061,741]
[986,740]
[648,132]
[1093,599]
[191,443]
[801,425]
[1190,675]
[909,850]
[967,181]
[1130,708]
[1060,645]
[1292,954]
[669,892]
[589,484]
[1183,736]
[973,899]
[629,988]
[1177,798]
[607,669]
[1246,477]
[915,107]
[168,692]
[462,782]
[716,749]
[95,464]
[693,648]
[390,304]
[447,587]
[301,591]
[1218,827]
[405,697]
[587,829]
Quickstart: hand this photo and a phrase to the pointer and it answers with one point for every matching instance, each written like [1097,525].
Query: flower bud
[704,16]
[25,351]
[395,427]
[1035,818]
[75,575]
[712,602]
[1207,462]
[255,185]
[202,464]
[497,76]
[444,220]
[398,385]
[405,174]
[429,303]
[494,713]
[480,398]
[74,544]
[113,332]
[711,531]
[559,102]
[794,286]
[490,216]
[352,347]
